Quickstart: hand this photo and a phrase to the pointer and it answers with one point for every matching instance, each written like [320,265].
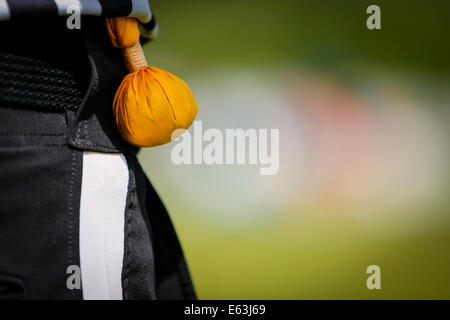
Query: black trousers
[41,149]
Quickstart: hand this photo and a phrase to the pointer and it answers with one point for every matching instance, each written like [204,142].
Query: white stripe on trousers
[104,190]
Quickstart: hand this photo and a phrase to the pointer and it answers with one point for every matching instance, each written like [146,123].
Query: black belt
[42,65]
[31,83]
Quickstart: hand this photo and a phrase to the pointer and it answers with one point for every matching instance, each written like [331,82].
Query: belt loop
[92,127]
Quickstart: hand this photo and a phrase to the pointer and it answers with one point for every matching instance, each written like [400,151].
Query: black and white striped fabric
[139,9]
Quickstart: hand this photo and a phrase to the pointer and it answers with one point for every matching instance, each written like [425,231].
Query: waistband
[75,73]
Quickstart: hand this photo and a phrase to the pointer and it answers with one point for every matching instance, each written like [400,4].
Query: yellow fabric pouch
[150,103]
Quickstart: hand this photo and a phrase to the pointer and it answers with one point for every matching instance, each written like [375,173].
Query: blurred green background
[364,127]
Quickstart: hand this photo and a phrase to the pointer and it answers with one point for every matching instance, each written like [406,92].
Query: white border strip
[102,221]
[141,10]
[5,14]
[91,7]
[62,6]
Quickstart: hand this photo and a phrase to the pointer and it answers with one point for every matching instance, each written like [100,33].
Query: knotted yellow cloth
[150,103]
